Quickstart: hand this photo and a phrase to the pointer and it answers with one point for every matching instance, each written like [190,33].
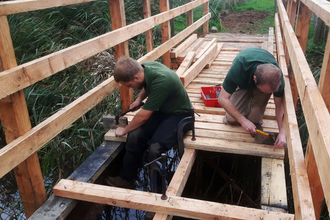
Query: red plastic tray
[212,92]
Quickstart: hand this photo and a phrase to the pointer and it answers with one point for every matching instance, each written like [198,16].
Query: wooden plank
[164,6]
[273,187]
[148,33]
[300,186]
[22,76]
[186,63]
[19,6]
[21,148]
[159,51]
[220,45]
[293,13]
[320,7]
[16,122]
[179,179]
[302,26]
[184,207]
[201,52]
[193,71]
[118,20]
[189,15]
[59,207]
[183,46]
[313,174]
[193,47]
[270,42]
[225,146]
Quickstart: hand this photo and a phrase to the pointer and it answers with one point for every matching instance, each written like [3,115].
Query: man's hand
[280,141]
[248,126]
[135,105]
[120,132]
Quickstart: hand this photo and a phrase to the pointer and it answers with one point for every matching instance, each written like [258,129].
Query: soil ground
[242,22]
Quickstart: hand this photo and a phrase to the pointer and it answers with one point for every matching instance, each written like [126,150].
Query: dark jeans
[158,134]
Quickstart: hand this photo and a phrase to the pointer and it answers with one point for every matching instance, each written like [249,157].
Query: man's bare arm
[279,111]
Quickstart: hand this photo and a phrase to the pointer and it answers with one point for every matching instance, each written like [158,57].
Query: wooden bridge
[199,61]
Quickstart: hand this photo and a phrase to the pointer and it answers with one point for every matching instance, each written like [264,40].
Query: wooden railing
[310,174]
[24,141]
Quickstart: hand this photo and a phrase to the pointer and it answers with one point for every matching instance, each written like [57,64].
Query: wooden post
[293,12]
[146,14]
[118,20]
[206,24]
[15,121]
[302,26]
[164,5]
[189,16]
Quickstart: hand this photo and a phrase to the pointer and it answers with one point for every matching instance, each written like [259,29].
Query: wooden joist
[186,63]
[59,207]
[204,48]
[195,69]
[183,46]
[173,205]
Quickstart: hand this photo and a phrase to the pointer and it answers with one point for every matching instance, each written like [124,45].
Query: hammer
[129,110]
[270,135]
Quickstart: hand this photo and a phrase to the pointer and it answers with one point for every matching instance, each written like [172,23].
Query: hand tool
[129,110]
[269,135]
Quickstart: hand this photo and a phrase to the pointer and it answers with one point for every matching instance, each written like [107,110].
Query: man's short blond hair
[268,74]
[125,69]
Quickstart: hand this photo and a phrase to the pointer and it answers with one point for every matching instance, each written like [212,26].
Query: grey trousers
[250,103]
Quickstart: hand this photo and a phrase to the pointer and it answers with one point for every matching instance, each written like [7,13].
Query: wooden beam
[205,12]
[220,45]
[189,15]
[321,8]
[179,180]
[302,26]
[197,67]
[118,20]
[164,5]
[22,76]
[148,33]
[15,121]
[184,207]
[186,63]
[19,6]
[300,185]
[270,41]
[159,51]
[201,52]
[273,186]
[225,146]
[21,148]
[175,53]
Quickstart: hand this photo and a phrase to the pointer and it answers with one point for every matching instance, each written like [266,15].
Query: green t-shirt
[241,72]
[164,89]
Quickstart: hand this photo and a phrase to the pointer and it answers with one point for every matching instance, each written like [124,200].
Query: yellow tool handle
[264,133]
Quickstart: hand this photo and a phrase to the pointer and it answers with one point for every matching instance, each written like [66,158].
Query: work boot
[149,215]
[117,181]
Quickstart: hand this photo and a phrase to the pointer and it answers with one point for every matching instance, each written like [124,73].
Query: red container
[212,92]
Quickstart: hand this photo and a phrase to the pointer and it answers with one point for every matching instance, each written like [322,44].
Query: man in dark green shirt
[154,127]
[252,78]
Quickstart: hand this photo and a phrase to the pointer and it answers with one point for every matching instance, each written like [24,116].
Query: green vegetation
[256,5]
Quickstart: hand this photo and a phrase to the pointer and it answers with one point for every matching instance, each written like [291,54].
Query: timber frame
[310,177]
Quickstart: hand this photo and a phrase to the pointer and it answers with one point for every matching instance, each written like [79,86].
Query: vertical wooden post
[293,13]
[313,175]
[302,25]
[147,14]
[118,20]
[206,24]
[164,5]
[189,16]
[15,121]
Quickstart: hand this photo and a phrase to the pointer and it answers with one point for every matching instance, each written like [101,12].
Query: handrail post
[164,5]
[15,121]
[206,24]
[148,33]
[118,20]
[189,16]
